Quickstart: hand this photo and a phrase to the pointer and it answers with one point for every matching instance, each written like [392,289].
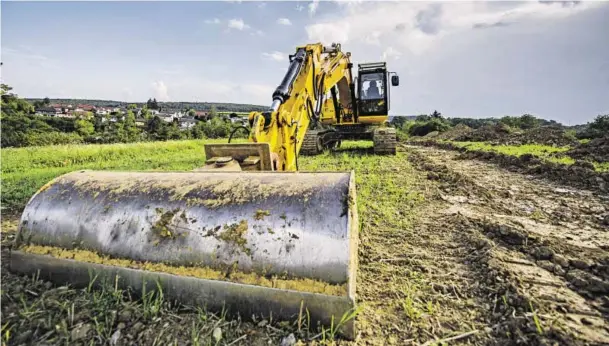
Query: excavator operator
[373,91]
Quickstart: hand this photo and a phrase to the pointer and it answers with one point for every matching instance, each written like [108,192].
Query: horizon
[467,60]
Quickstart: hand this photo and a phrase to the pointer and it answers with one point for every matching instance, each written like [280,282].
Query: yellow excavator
[246,232]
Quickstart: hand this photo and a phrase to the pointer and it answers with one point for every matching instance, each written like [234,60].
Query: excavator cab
[373,89]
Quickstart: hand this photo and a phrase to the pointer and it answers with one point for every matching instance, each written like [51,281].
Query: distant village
[185,120]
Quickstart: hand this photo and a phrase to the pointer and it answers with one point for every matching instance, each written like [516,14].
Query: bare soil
[453,251]
[581,174]
[540,250]
[503,134]
[595,150]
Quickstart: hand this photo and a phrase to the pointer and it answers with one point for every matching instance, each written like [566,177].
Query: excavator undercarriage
[317,141]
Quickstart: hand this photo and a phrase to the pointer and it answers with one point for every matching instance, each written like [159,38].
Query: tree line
[21,127]
[424,124]
[157,105]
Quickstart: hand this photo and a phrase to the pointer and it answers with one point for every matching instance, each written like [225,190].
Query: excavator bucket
[268,244]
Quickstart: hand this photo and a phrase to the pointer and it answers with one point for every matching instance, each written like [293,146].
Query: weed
[6,332]
[537,215]
[152,302]
[536,319]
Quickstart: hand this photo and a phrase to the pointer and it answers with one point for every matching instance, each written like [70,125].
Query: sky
[464,59]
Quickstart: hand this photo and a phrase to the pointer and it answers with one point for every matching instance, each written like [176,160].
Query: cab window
[372,86]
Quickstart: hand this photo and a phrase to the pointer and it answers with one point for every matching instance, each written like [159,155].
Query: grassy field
[25,170]
[386,203]
[432,263]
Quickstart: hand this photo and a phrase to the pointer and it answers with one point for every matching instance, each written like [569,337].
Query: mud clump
[260,214]
[458,131]
[497,133]
[503,134]
[548,135]
[235,234]
[595,150]
[161,227]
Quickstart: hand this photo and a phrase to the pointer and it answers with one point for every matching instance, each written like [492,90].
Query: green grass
[539,150]
[387,198]
[25,170]
[382,195]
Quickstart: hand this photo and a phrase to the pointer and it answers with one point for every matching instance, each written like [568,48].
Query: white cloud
[299,7]
[257,33]
[212,21]
[24,53]
[262,5]
[29,55]
[373,38]
[390,53]
[276,56]
[313,7]
[160,91]
[328,32]
[284,21]
[417,26]
[238,24]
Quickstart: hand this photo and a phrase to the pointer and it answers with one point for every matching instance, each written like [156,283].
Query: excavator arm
[276,135]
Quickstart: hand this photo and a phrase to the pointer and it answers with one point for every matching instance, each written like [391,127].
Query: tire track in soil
[542,249]
[422,283]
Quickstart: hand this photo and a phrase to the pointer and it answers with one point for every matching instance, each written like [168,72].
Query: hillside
[198,106]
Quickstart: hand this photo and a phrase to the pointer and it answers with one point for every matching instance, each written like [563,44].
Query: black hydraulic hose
[296,146]
[236,129]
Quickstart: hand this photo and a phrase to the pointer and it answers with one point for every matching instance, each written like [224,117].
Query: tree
[84,127]
[510,121]
[213,112]
[145,113]
[527,121]
[436,115]
[423,117]
[46,101]
[156,128]
[131,131]
[597,128]
[11,104]
[191,112]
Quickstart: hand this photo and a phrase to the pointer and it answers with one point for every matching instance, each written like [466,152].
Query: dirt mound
[548,135]
[581,174]
[497,133]
[596,150]
[455,132]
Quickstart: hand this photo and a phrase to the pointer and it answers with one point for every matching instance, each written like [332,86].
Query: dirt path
[529,255]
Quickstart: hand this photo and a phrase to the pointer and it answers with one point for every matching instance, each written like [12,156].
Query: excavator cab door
[373,90]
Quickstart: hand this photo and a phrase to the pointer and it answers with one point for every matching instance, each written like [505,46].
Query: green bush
[421,128]
[597,128]
[51,138]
